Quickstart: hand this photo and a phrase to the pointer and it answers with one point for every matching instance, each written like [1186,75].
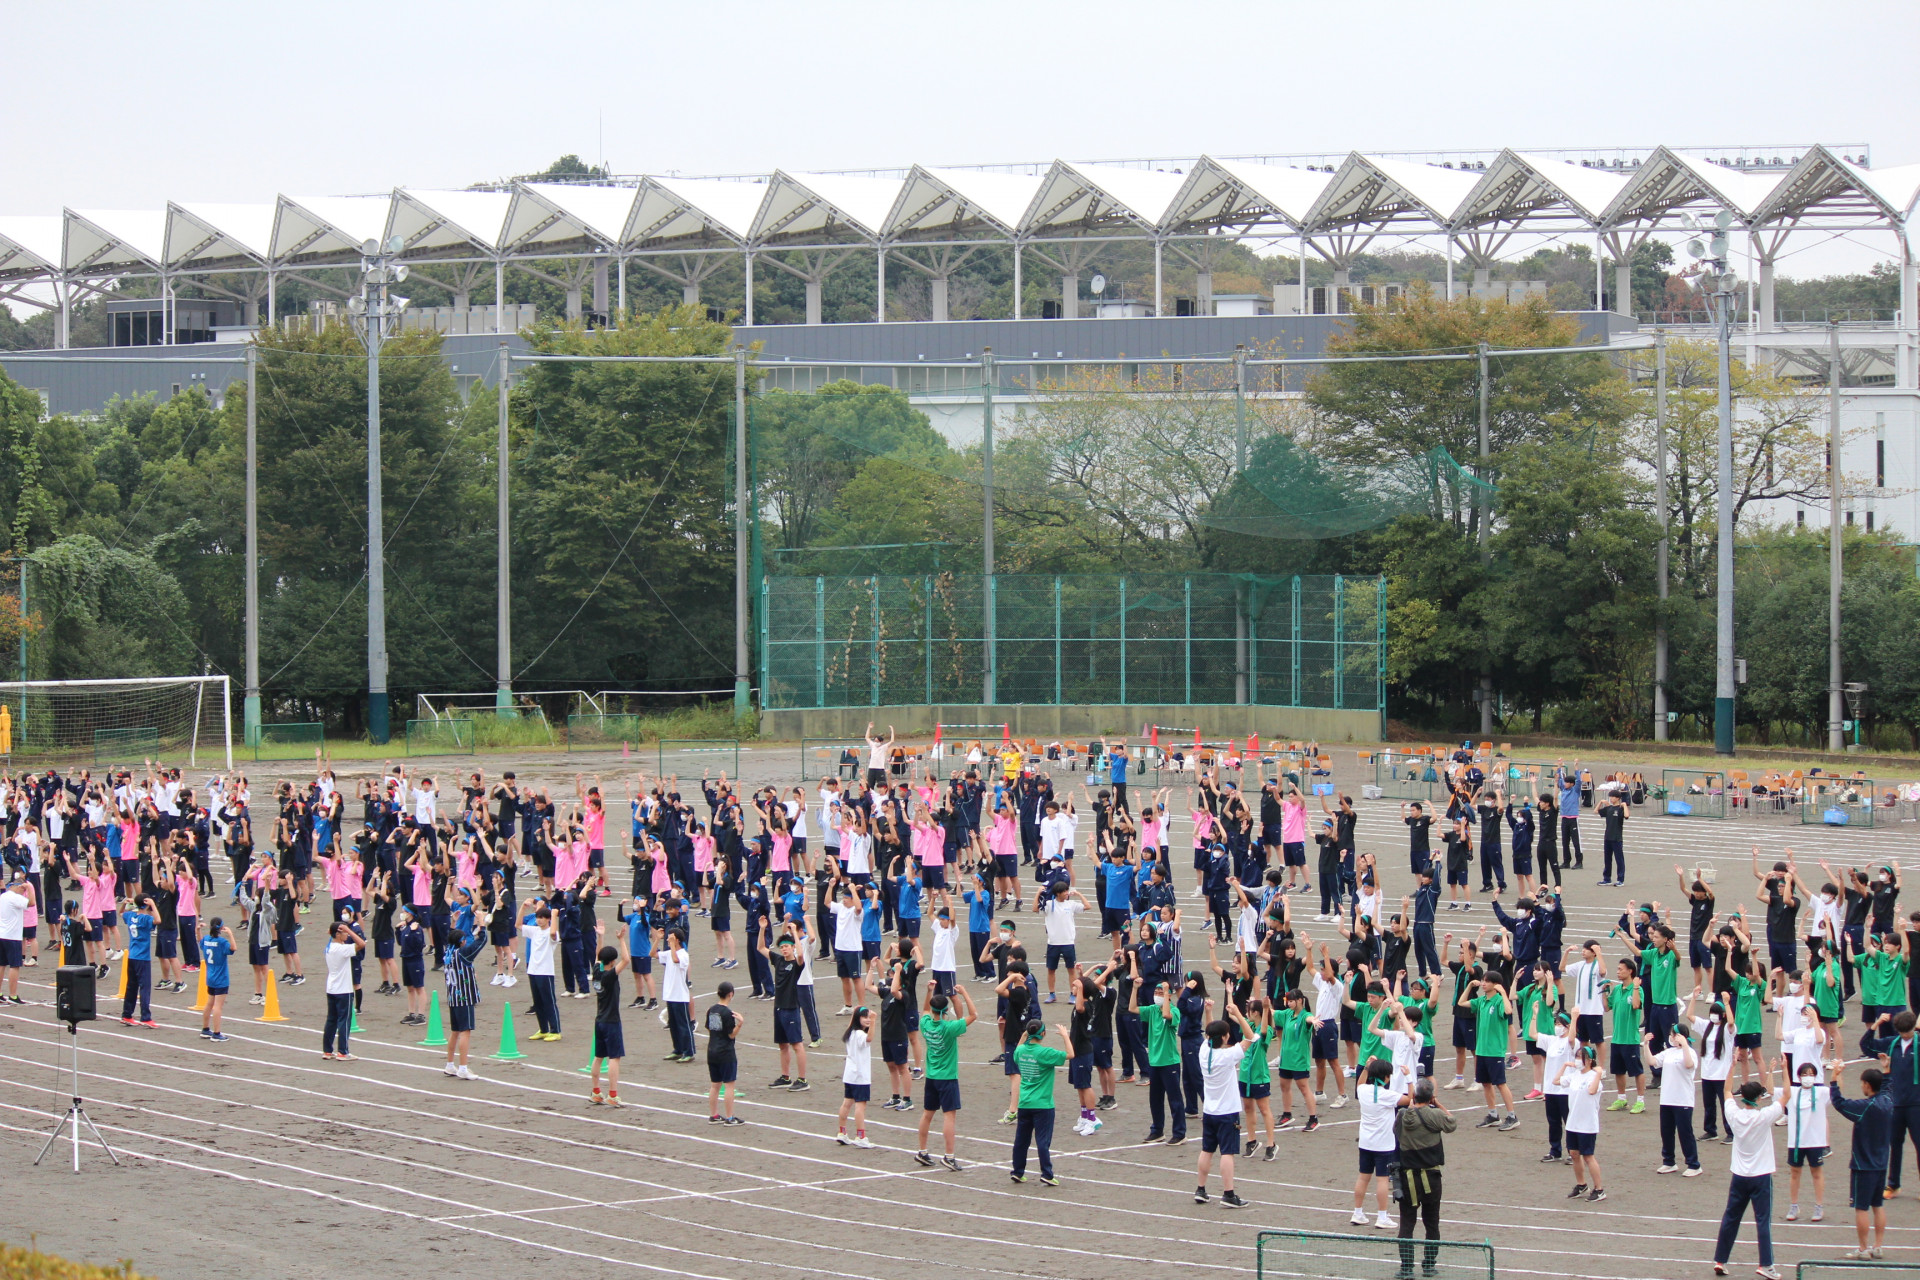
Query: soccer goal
[118,722]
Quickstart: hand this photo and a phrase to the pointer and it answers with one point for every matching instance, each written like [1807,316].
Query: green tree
[105,612]
[808,447]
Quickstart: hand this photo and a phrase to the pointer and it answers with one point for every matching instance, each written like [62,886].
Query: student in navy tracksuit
[1872,1118]
[1901,1051]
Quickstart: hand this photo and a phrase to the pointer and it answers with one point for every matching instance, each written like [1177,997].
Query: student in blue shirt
[213,955]
[979,902]
[1116,900]
[907,910]
[1117,773]
[139,924]
[640,951]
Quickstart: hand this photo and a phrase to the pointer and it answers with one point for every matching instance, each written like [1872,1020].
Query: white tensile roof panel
[932,198]
[104,239]
[218,233]
[30,245]
[315,226]
[556,212]
[1084,194]
[449,219]
[1217,190]
[690,208]
[797,203]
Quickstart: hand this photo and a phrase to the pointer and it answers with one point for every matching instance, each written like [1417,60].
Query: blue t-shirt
[793,906]
[1120,878]
[639,936]
[908,907]
[1117,763]
[113,841]
[870,922]
[979,911]
[213,954]
[139,935]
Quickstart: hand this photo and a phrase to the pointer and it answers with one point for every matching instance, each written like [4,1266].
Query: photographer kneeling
[1420,1127]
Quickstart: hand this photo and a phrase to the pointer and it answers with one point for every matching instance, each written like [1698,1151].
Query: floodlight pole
[503,569]
[987,673]
[250,703]
[1723,684]
[1836,735]
[1660,503]
[378,268]
[1243,598]
[1486,524]
[742,690]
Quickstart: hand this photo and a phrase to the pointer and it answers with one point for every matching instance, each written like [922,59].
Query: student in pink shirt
[186,889]
[594,819]
[1202,839]
[1004,841]
[1293,840]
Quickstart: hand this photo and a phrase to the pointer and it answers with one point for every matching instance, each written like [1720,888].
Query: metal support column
[1723,684]
[1187,632]
[1380,652]
[1836,536]
[1484,518]
[819,642]
[1057,654]
[1339,631]
[1666,541]
[880,289]
[873,645]
[988,656]
[503,553]
[1293,696]
[927,637]
[1159,301]
[748,291]
[1123,642]
[742,610]
[250,704]
[378,728]
[1017,281]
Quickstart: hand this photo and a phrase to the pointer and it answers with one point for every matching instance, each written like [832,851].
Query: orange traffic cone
[202,1000]
[121,994]
[271,1013]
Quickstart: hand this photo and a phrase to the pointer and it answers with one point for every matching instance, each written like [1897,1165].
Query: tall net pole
[741,678]
[503,584]
[1660,501]
[987,655]
[1836,734]
[250,706]
[1723,684]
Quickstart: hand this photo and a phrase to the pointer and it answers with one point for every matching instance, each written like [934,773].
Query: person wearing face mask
[1750,1120]
[1807,1145]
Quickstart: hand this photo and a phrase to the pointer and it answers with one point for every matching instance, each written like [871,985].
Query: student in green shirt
[1033,1124]
[1256,1076]
[1163,1066]
[942,1029]
[1660,971]
[1492,1017]
[1536,1019]
[1417,999]
[1373,1020]
[1749,1013]
[1626,999]
[1828,990]
[1295,1027]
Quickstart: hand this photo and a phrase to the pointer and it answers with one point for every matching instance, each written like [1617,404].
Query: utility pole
[1723,683]
[1485,522]
[988,690]
[1660,502]
[503,568]
[250,704]
[1243,596]
[1836,517]
[742,675]
[377,310]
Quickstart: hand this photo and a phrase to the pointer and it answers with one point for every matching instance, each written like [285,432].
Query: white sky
[125,105]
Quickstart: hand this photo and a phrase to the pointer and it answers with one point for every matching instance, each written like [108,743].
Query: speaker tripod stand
[76,1113]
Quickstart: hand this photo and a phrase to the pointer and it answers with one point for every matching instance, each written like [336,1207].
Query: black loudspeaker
[73,993]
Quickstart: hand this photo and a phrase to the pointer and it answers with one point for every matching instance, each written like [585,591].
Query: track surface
[257,1158]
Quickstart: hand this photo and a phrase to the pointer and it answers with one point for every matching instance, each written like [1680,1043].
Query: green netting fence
[289,741]
[125,744]
[596,732]
[1842,1269]
[1309,640]
[1837,802]
[1693,793]
[1325,1255]
[442,737]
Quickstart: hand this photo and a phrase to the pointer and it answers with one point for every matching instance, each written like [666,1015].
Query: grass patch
[31,1264]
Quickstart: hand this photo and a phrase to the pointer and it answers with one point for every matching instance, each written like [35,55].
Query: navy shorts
[383,948]
[166,944]
[1624,1060]
[1288,1073]
[1580,1144]
[1113,920]
[723,1070]
[413,973]
[1103,1053]
[459,1017]
[289,943]
[609,1041]
[1465,1031]
[940,1095]
[1220,1133]
[870,948]
[10,956]
[847,963]
[1807,1157]
[260,957]
[1589,1028]
[1376,1163]
[1006,866]
[1746,1040]
[1867,1188]
[786,1027]
[933,877]
[1080,1071]
[893,1052]
[1264,1089]
[1326,1043]
[1349,1028]
[1057,954]
[856,1092]
[1489,1070]
[909,926]
[1200,859]
[1295,853]
[217,991]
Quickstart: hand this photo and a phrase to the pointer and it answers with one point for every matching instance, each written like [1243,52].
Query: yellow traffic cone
[201,1001]
[121,994]
[271,1013]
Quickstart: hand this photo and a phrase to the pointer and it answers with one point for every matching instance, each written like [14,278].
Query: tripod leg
[95,1131]
[53,1137]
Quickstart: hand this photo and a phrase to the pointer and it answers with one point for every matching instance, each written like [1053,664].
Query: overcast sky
[125,105]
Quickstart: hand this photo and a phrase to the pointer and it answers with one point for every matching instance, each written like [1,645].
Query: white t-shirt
[859,851]
[424,805]
[943,944]
[1807,1116]
[859,1064]
[846,926]
[1405,1049]
[1246,930]
[1326,998]
[1716,1060]
[1220,1078]
[1378,1104]
[877,755]
[829,825]
[1793,1010]
[1559,1051]
[540,945]
[1802,1046]
[1059,915]
[1752,1130]
[1056,833]
[1676,1077]
[13,915]
[1589,990]
[673,976]
[1825,913]
[797,818]
[340,968]
[1583,1108]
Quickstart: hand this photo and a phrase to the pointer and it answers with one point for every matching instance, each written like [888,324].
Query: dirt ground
[257,1158]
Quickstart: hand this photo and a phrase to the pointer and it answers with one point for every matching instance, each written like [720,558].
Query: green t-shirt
[1163,1044]
[1659,969]
[1626,1018]
[1296,1040]
[1037,1063]
[1490,1026]
[1527,1000]
[1746,1006]
[943,1046]
[1420,1012]
[1827,991]
[1883,978]
[1372,1023]
[1254,1068]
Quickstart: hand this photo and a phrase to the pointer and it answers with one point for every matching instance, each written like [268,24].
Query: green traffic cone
[356,1028]
[509,1051]
[588,1069]
[436,1027]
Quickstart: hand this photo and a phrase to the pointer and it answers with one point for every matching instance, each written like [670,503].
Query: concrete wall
[1046,722]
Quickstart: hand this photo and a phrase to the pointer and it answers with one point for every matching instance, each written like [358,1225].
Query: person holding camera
[1421,1128]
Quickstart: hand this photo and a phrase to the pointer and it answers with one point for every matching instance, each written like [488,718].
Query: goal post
[118,721]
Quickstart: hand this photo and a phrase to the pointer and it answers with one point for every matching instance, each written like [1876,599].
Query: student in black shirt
[609,1042]
[1419,826]
[723,1063]
[1699,916]
[787,1034]
[1613,851]
[1783,909]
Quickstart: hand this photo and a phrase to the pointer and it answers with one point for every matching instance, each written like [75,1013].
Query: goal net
[119,722]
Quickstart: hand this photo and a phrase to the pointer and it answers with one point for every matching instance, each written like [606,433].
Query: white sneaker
[450,1070]
[1339,1101]
[1458,1082]
[1383,1221]
[863,1143]
[511,981]
[1095,1125]
[1359,1218]
[497,980]
[465,1074]
[845,1009]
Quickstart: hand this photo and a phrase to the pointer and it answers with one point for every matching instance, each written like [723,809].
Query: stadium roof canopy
[1333,206]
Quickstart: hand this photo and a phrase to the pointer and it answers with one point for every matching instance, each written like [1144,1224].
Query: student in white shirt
[1752,1167]
[342,945]
[1559,1049]
[847,957]
[1588,978]
[675,994]
[1581,1079]
[1379,1102]
[1807,1144]
[1677,1065]
[543,936]
[946,937]
[13,918]
[1715,1036]
[1328,992]
[1058,907]
[856,1077]
[1220,1106]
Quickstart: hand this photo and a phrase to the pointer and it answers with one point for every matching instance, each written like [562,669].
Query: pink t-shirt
[129,841]
[187,894]
[1293,822]
[1150,834]
[781,858]
[422,886]
[1005,838]
[89,896]
[352,878]
[569,861]
[1202,828]
[703,853]
[596,824]
[465,864]
[662,876]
